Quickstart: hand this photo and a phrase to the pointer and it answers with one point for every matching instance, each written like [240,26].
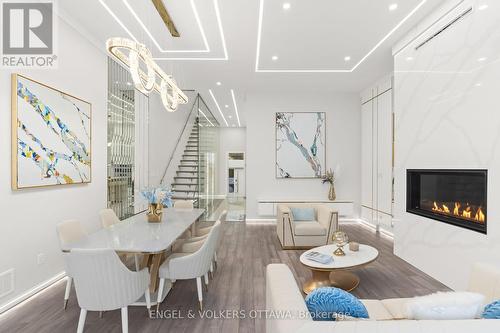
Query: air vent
[6,282]
[452,22]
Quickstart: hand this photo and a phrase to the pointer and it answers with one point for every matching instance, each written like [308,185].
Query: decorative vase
[155,212]
[339,239]
[331,194]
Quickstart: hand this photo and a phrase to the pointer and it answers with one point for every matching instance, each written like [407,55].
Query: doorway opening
[236,186]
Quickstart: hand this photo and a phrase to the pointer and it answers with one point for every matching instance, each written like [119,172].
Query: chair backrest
[485,279]
[184,204]
[198,263]
[102,281]
[108,217]
[70,231]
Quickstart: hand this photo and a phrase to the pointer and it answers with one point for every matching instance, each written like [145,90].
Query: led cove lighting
[235,108]
[143,26]
[259,35]
[219,23]
[218,107]
[171,95]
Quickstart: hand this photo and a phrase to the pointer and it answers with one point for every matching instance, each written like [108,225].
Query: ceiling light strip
[217,105]
[222,37]
[235,107]
[117,19]
[143,26]
[406,18]
[204,115]
[259,33]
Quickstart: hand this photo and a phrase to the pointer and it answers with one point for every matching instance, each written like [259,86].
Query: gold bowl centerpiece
[340,239]
[157,198]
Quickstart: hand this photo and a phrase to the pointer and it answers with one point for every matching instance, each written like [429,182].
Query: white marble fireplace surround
[447,116]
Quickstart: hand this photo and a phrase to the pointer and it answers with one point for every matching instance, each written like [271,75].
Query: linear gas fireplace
[456,197]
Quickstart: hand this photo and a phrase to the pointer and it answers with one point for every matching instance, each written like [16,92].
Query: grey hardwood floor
[239,284]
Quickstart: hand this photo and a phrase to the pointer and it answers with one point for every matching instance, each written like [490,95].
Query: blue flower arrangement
[158,195]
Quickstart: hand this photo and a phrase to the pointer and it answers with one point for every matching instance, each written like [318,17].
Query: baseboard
[32,292]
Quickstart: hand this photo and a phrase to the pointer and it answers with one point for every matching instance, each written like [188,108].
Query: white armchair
[305,234]
[68,232]
[184,266]
[103,283]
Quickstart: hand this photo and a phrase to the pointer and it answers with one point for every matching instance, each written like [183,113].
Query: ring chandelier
[146,82]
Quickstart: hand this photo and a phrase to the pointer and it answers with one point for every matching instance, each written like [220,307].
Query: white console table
[268,208]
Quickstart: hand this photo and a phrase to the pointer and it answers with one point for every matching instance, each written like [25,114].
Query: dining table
[135,235]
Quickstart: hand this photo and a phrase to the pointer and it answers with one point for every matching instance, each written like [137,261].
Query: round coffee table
[334,274]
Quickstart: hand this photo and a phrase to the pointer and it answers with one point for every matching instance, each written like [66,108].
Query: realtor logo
[28,34]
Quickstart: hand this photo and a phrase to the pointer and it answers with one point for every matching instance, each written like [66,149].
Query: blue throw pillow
[492,310]
[327,303]
[303,214]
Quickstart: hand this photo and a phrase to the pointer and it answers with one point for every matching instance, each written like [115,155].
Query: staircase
[188,178]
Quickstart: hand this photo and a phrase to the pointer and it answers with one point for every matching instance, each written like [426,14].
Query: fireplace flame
[467,213]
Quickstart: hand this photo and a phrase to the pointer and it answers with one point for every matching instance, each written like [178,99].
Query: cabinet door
[367,154]
[384,152]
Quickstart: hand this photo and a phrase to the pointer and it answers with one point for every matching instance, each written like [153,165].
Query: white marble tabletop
[365,255]
[136,234]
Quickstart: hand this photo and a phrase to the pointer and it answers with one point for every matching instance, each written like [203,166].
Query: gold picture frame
[80,152]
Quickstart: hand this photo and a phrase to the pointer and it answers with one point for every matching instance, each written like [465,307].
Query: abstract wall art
[51,136]
[300,144]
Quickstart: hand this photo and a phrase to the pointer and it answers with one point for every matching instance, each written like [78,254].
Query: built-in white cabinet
[377,154]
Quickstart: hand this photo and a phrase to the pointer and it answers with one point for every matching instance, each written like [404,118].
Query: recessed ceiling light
[129,84]
[274,58]
[393,6]
[479,84]
[409,58]
[218,83]
[482,7]
[286,6]
[230,116]
[347,58]
[482,59]
[226,106]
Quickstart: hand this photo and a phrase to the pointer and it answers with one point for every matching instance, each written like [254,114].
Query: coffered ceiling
[251,46]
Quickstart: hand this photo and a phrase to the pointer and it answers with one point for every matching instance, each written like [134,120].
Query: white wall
[230,140]
[28,217]
[342,141]
[446,110]
[164,130]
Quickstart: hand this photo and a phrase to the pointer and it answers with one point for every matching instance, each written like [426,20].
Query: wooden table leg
[145,261]
[156,261]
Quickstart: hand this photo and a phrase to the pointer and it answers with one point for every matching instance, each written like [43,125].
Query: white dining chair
[104,283]
[68,232]
[184,204]
[108,217]
[185,266]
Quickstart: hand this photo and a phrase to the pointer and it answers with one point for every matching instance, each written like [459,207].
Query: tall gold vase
[155,212]
[331,194]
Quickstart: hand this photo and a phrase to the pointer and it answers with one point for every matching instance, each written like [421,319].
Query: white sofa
[305,234]
[287,311]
